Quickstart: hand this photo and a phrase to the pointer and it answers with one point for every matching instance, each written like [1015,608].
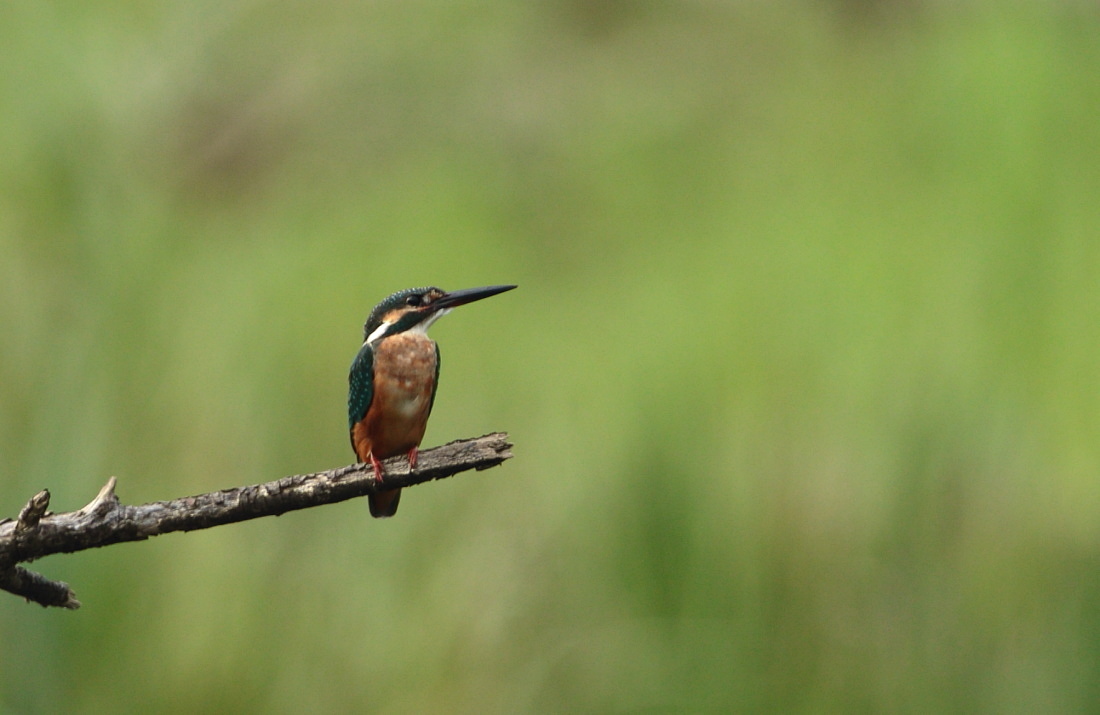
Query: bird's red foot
[377,466]
[413,454]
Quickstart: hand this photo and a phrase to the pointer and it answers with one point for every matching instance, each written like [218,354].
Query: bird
[393,379]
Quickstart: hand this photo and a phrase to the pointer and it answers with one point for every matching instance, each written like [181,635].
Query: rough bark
[105,520]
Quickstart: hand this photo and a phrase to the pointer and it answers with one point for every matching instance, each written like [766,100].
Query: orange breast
[404,379]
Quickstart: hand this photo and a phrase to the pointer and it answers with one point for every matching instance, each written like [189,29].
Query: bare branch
[32,513]
[105,520]
[37,588]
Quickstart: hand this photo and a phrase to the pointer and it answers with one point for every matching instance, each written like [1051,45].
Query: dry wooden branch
[105,520]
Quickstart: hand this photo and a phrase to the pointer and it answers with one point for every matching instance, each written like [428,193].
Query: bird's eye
[413,300]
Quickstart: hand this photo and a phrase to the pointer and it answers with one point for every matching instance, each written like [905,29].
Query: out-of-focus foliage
[801,371]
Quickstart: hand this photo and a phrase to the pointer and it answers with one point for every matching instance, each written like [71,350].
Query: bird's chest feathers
[404,373]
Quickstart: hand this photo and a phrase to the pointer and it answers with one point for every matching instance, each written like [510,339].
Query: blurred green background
[801,371]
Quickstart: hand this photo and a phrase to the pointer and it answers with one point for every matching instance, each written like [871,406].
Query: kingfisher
[393,379]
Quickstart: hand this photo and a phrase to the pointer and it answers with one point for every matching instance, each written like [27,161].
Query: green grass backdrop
[802,370]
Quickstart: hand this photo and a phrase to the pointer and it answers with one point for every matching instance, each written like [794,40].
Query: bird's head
[417,308]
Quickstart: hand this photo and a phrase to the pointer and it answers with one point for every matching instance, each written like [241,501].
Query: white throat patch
[421,327]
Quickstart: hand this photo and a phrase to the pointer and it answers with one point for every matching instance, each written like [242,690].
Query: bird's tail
[384,504]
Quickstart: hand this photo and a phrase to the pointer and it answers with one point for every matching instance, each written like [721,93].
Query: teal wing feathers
[360,385]
[435,382]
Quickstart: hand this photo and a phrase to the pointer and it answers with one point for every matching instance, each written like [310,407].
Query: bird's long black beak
[469,295]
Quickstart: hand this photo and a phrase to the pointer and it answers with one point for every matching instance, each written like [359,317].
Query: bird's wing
[435,382]
[360,385]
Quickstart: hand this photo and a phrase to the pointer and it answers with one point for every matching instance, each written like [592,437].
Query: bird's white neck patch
[421,328]
[378,332]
